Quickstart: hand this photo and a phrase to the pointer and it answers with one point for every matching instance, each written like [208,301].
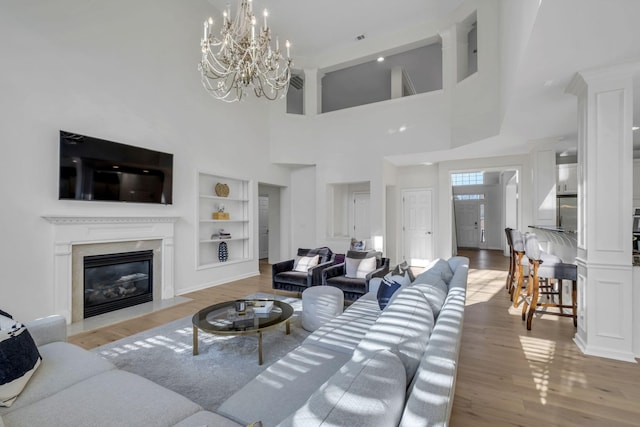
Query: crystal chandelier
[242,58]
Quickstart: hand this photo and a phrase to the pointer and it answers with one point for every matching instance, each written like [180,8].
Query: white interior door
[263,226]
[417,235]
[361,216]
[467,223]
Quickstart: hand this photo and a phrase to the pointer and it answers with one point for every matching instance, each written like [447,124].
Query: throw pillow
[404,269]
[359,268]
[387,288]
[19,359]
[304,263]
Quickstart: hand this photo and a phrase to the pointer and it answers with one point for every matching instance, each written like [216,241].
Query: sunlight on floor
[160,341]
[540,354]
[486,284]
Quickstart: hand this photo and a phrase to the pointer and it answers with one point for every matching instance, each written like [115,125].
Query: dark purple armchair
[285,278]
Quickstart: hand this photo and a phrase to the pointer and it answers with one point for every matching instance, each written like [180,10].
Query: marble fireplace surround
[78,235]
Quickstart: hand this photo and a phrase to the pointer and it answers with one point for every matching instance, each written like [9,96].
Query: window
[467,178]
[468,197]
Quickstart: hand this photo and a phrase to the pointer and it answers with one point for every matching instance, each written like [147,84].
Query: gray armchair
[354,288]
[285,278]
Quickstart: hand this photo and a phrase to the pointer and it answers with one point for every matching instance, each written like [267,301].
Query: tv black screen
[96,169]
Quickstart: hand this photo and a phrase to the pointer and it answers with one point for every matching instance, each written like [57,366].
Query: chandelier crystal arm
[242,58]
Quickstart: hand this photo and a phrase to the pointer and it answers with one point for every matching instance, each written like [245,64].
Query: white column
[449,58]
[312,91]
[605,175]
[62,275]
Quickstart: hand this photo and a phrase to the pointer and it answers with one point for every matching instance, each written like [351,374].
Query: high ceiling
[567,36]
[315,27]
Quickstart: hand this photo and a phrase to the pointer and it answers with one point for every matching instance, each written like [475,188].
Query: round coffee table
[223,319]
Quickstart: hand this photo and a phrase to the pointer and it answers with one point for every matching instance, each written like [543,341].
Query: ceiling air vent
[296,81]
[360,37]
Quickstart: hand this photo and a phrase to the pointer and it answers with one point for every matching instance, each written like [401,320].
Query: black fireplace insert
[116,281]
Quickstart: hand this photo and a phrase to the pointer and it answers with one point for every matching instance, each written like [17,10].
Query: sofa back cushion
[324,253]
[403,327]
[434,290]
[439,269]
[366,392]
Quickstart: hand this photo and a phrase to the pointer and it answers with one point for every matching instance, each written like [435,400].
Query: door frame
[402,216]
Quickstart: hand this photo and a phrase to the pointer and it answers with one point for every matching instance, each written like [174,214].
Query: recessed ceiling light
[635,128]
[116,167]
[380,59]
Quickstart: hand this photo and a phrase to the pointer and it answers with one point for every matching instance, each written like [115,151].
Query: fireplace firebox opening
[116,281]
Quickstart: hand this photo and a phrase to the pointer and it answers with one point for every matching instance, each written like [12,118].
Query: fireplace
[118,280]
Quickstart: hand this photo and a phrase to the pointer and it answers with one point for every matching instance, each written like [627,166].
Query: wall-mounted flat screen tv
[96,169]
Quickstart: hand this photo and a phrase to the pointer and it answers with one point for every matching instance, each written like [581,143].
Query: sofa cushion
[284,386]
[431,394]
[304,263]
[356,268]
[348,284]
[439,269]
[369,392]
[19,359]
[344,333]
[292,277]
[403,327]
[62,365]
[112,398]
[435,291]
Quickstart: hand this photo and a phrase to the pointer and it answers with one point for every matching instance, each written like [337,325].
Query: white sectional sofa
[367,367]
[75,387]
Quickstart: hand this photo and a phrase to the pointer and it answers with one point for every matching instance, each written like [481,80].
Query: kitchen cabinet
[567,179]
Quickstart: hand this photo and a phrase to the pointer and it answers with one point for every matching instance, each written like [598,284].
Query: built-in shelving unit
[237,203]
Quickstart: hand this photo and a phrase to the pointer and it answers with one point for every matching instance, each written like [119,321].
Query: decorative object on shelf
[242,59]
[222,190]
[221,235]
[221,214]
[223,252]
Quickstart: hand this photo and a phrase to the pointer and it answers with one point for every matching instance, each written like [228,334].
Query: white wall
[123,71]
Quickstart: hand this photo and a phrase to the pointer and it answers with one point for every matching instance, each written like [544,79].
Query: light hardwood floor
[507,376]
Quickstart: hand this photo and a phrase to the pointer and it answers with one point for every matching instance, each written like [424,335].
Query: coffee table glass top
[223,318]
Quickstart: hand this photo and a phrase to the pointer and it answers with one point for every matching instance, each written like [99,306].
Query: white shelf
[238,204]
[230,199]
[223,240]
[224,220]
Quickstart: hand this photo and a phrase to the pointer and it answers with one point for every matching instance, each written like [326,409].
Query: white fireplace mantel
[69,230]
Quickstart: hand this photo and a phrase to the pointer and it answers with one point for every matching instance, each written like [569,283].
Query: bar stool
[512,260]
[547,267]
[517,245]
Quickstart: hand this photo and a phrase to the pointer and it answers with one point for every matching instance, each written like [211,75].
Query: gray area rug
[224,363]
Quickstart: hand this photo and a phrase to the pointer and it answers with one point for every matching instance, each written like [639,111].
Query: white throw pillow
[359,268]
[304,263]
